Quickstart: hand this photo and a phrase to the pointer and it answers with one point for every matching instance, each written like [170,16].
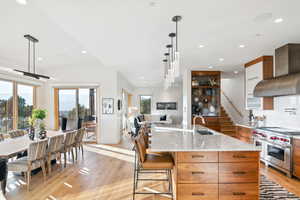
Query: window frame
[15,98]
[140,98]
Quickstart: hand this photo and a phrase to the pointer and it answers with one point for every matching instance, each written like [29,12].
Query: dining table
[11,147]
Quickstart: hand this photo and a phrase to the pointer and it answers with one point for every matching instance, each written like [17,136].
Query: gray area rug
[272,191]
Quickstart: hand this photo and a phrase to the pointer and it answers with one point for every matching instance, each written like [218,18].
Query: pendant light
[172,35]
[32,74]
[171,77]
[176,62]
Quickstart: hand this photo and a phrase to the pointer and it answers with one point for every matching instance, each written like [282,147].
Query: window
[16,104]
[6,106]
[76,106]
[25,105]
[145,104]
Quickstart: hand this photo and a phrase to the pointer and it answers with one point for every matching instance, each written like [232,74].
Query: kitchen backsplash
[286,112]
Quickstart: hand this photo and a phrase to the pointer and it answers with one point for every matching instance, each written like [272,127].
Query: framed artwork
[107,105]
[166,106]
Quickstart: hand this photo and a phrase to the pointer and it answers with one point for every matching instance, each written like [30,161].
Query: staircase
[226,125]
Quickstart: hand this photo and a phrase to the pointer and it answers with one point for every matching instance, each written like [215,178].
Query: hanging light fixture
[176,62]
[166,66]
[171,77]
[172,35]
[32,74]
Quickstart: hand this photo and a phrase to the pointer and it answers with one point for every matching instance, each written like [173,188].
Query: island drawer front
[244,191]
[239,156]
[196,157]
[197,173]
[197,191]
[238,172]
[296,142]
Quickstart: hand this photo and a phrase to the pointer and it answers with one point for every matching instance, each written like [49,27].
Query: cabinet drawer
[296,156]
[197,191]
[240,156]
[245,132]
[238,172]
[296,143]
[239,191]
[196,157]
[296,170]
[197,173]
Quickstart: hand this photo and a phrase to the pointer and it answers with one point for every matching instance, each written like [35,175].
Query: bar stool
[150,163]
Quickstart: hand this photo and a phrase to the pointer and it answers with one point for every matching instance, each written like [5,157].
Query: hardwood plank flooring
[104,174]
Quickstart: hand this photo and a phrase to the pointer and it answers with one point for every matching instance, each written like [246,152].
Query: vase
[31,133]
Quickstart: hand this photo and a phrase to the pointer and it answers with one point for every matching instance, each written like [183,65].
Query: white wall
[106,81]
[159,94]
[186,97]
[122,84]
[279,117]
[234,87]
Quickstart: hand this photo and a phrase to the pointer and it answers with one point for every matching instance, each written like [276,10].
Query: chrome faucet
[198,116]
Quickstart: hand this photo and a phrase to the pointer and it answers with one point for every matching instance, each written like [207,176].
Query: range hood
[287,74]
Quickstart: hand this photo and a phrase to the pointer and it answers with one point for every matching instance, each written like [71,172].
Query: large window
[75,107]
[16,104]
[145,104]
[25,105]
[6,106]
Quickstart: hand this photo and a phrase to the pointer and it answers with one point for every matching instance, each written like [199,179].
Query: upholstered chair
[35,159]
[53,151]
[79,142]
[68,145]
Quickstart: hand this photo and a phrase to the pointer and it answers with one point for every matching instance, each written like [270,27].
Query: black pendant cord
[33,58]
[28,55]
[176,36]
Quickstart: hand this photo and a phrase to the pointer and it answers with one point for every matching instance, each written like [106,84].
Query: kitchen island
[208,164]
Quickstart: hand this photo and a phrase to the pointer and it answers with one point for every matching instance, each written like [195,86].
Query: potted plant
[39,115]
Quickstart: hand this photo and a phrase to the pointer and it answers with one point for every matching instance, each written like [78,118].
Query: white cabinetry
[256,71]
[254,74]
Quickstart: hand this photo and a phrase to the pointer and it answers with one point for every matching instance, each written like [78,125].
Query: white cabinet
[256,71]
[254,74]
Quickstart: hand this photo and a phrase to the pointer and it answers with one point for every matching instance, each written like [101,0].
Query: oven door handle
[278,146]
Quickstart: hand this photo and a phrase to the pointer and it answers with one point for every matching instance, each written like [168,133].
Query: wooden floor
[105,174]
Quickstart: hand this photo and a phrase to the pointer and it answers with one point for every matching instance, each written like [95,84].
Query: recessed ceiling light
[83,51]
[278,20]
[152,3]
[201,46]
[22,2]
[242,46]
[210,67]
[40,58]
[221,59]
[236,72]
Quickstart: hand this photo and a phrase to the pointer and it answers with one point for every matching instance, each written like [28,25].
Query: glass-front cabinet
[206,93]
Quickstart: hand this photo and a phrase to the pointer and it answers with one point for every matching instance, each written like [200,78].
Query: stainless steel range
[276,144]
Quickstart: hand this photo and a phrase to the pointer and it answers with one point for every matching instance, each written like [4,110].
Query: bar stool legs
[138,170]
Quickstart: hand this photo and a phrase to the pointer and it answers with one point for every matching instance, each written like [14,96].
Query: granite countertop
[175,139]
[247,124]
[297,137]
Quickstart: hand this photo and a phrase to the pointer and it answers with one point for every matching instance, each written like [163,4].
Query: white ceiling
[130,35]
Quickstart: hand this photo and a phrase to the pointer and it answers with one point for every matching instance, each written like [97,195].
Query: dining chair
[53,151]
[3,175]
[35,159]
[1,137]
[68,145]
[17,133]
[79,142]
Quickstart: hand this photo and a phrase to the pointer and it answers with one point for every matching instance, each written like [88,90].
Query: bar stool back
[151,163]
